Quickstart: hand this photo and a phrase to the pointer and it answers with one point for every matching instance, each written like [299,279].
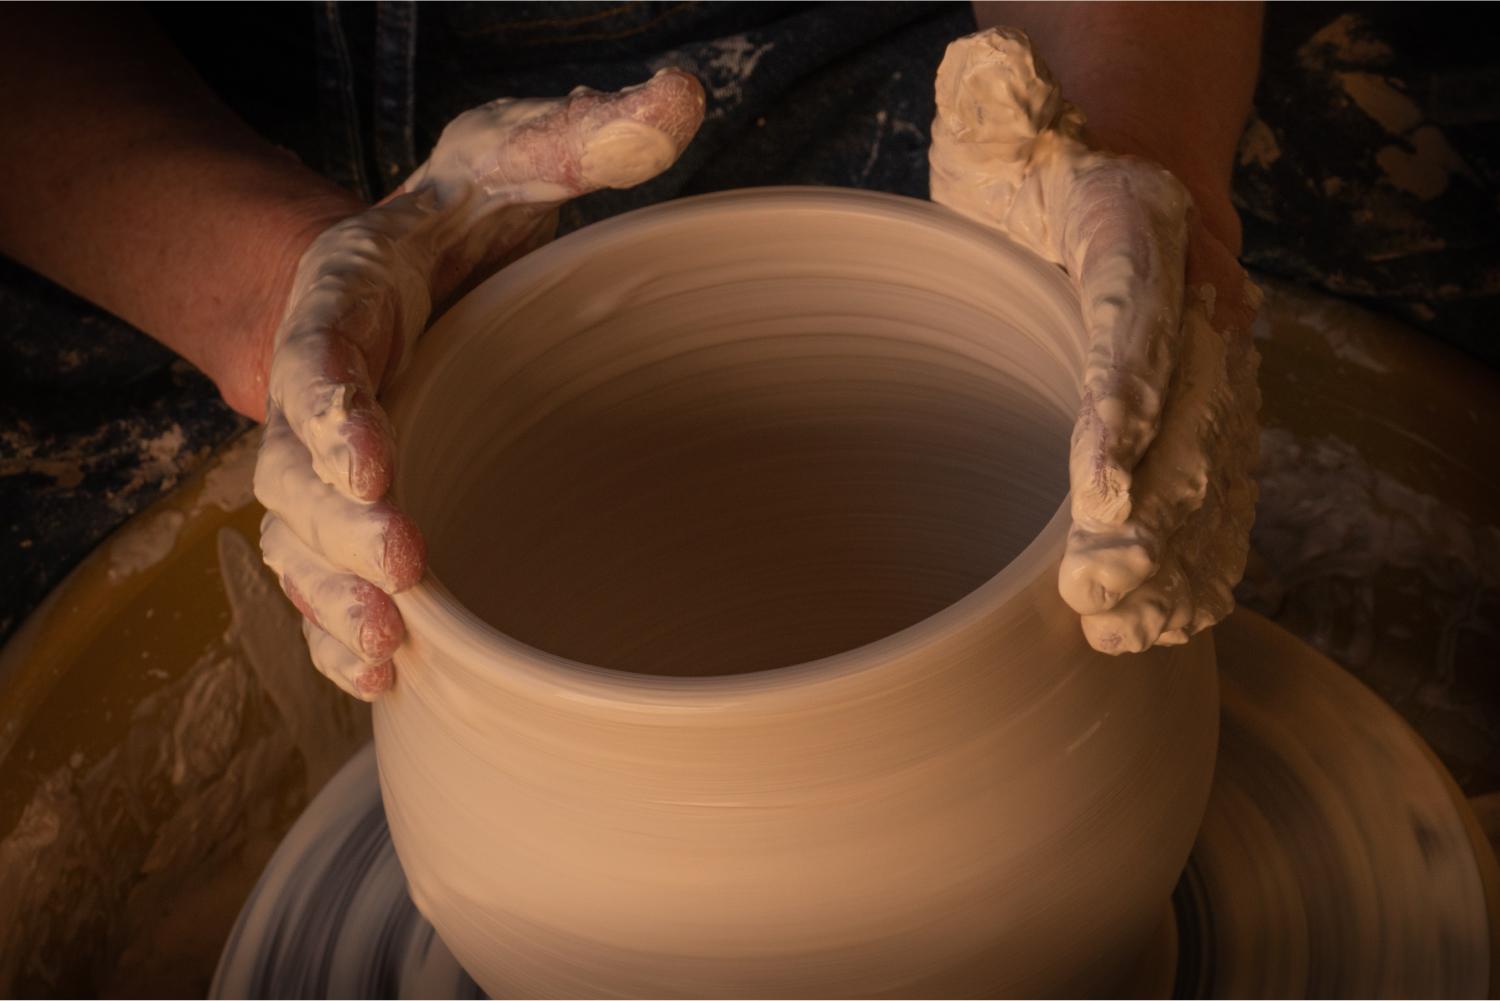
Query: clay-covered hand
[1166,438]
[366,288]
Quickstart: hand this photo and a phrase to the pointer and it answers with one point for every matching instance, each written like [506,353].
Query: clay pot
[741,668]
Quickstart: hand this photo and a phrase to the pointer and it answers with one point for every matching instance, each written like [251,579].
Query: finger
[1193,590]
[1207,431]
[554,149]
[997,106]
[370,540]
[321,383]
[1203,560]
[359,679]
[1123,239]
[1100,567]
[360,299]
[353,611]
[1164,604]
[992,88]
[620,140]
[1105,562]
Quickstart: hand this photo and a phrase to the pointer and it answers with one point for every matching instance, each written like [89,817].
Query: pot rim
[438,622]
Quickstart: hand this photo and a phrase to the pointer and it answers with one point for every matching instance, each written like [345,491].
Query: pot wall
[945,792]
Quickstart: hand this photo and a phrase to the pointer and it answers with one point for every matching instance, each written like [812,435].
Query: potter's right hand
[366,288]
[1165,437]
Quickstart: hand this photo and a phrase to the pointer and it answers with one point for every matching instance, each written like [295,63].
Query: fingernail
[379,636]
[376,680]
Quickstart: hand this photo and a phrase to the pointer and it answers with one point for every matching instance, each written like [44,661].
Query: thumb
[1000,114]
[552,149]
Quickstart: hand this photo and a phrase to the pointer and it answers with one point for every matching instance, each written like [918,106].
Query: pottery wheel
[1334,860]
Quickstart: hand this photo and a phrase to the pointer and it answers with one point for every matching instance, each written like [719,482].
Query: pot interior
[682,454]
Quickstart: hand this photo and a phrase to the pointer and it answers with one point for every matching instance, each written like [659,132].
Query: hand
[1166,437]
[363,292]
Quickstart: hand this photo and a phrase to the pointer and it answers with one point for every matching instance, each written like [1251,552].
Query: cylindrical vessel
[741,667]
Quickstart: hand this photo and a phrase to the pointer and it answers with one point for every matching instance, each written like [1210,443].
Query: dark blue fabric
[841,94]
[1401,211]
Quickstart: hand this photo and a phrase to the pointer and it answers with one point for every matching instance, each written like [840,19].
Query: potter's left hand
[363,292]
[1161,454]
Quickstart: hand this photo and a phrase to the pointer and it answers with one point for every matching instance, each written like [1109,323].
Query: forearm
[1168,81]
[123,178]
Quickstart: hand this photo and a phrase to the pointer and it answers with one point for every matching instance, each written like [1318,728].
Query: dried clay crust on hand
[1166,436]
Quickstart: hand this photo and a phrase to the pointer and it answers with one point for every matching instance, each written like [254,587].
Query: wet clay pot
[741,667]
